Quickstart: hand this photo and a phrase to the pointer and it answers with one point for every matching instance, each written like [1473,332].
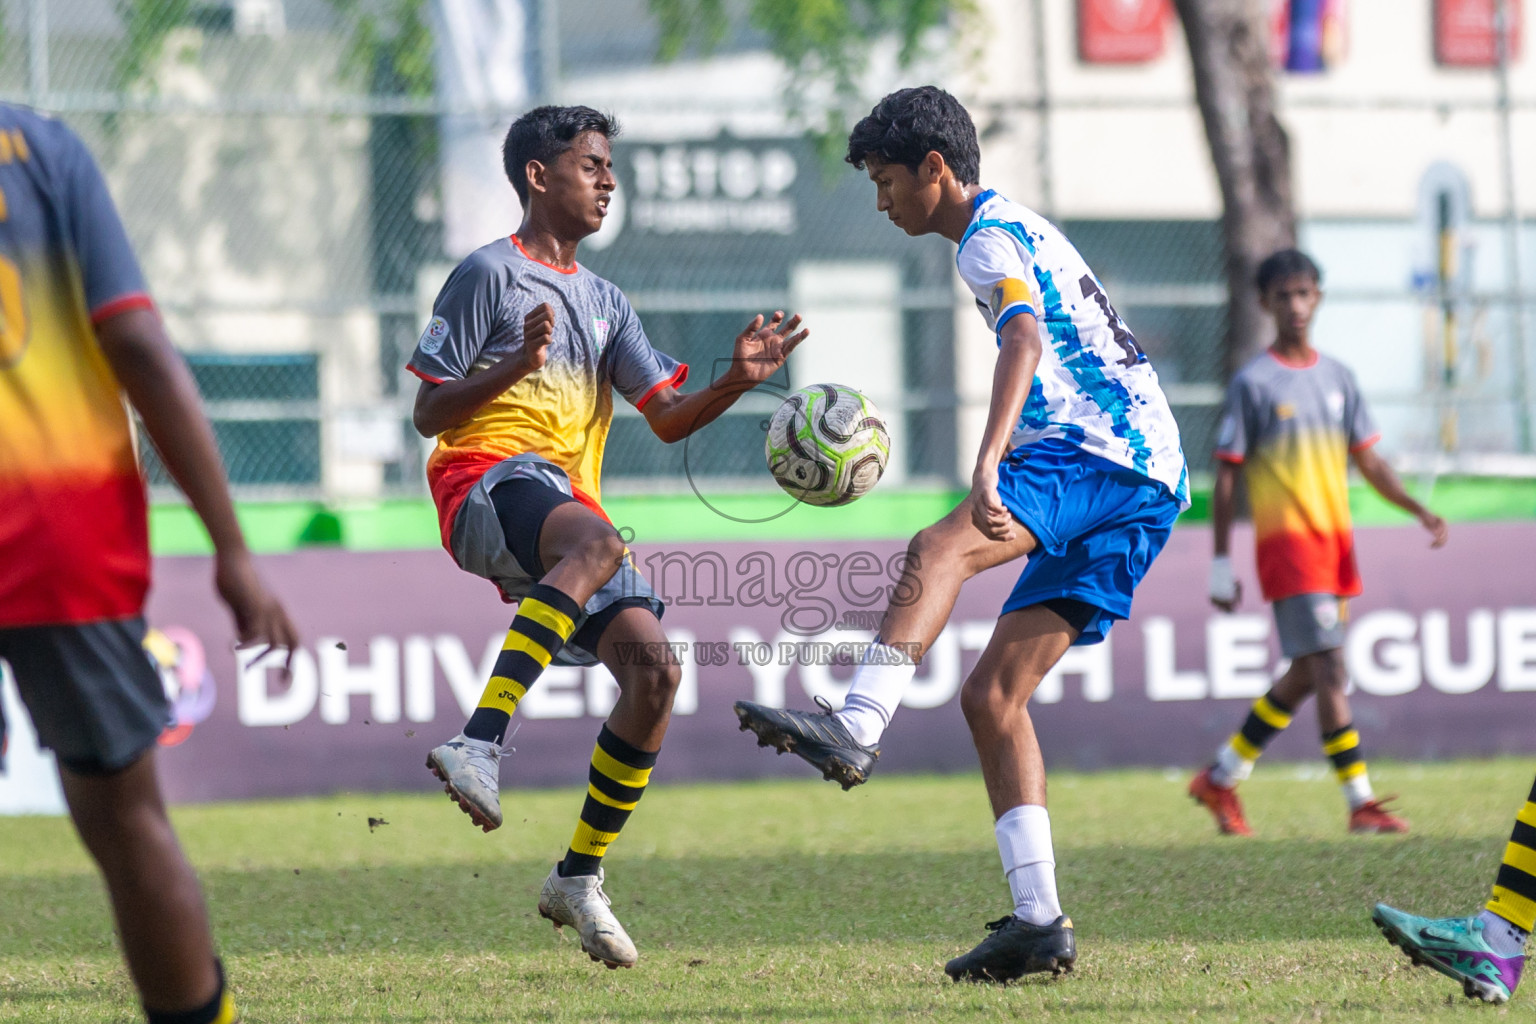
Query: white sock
[1357,790]
[878,684]
[1029,862]
[1505,938]
[1230,767]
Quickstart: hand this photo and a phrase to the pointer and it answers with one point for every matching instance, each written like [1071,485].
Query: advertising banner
[1441,652]
[1466,32]
[1122,31]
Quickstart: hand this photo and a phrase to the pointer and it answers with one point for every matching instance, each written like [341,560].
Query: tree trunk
[1229,51]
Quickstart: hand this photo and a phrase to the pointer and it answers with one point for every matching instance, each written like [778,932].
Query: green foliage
[790,901]
[824,43]
[146,23]
[388,48]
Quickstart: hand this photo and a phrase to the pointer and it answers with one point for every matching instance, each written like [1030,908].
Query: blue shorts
[1099,526]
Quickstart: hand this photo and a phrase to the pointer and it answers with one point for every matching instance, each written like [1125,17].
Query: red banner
[1466,36]
[1121,31]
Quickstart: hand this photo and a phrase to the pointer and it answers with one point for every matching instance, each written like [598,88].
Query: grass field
[791,902]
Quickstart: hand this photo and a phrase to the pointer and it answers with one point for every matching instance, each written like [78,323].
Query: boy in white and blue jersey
[1079,469]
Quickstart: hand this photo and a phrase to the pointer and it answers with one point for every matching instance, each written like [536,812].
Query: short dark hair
[911,123]
[1286,263]
[543,134]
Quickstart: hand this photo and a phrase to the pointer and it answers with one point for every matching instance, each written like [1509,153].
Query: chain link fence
[277,163]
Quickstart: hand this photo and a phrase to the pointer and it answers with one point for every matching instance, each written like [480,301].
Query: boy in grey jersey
[1293,419]
[518,364]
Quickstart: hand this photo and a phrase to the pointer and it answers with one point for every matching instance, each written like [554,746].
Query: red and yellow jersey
[1292,429]
[561,412]
[74,544]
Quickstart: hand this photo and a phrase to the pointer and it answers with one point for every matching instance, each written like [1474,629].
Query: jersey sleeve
[108,269]
[1000,272]
[1358,423]
[1232,431]
[464,315]
[639,371]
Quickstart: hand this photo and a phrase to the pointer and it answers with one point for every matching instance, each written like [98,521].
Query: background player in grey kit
[518,367]
[1292,420]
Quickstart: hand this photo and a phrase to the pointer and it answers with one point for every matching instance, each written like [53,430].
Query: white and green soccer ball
[827,444]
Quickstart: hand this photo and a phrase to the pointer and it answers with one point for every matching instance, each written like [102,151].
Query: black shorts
[522,504]
[496,536]
[95,697]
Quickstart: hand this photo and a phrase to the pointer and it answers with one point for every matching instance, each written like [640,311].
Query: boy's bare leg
[1036,936]
[995,699]
[580,551]
[844,746]
[156,900]
[940,558]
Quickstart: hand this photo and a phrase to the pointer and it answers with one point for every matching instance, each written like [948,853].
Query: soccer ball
[827,444]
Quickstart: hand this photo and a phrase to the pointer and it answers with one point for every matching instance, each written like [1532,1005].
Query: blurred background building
[299,176]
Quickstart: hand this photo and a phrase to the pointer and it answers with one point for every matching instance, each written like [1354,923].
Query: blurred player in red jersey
[1293,419]
[77,330]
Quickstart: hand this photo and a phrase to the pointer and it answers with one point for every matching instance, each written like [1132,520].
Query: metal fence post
[37,51]
[1523,396]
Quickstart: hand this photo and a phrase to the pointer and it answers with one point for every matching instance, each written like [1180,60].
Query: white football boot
[580,902]
[470,771]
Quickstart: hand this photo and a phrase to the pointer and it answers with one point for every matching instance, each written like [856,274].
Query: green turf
[790,901]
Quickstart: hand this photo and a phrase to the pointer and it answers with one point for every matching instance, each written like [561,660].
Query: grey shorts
[95,697]
[1309,623]
[480,546]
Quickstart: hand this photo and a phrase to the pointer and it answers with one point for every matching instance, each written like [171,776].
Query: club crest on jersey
[600,332]
[1336,405]
[433,337]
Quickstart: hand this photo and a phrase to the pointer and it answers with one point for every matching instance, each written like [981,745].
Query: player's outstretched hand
[1439,530]
[988,513]
[762,348]
[260,619]
[538,331]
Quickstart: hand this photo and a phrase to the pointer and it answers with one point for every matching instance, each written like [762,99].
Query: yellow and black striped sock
[545,620]
[1514,890]
[1266,719]
[1342,747]
[615,784]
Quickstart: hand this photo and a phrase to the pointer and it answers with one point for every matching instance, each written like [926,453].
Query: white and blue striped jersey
[1094,388]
